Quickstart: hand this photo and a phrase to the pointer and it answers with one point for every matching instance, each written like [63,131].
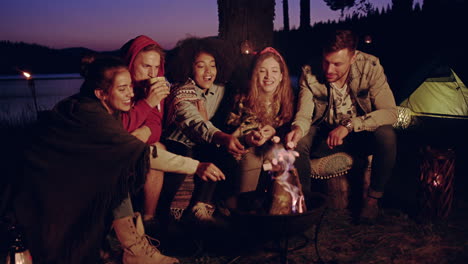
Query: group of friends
[129,130]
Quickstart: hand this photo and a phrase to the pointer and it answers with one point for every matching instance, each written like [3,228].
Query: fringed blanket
[79,166]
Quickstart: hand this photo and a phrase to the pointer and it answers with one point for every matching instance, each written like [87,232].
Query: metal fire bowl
[251,216]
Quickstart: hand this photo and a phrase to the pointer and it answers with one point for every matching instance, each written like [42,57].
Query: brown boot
[137,246]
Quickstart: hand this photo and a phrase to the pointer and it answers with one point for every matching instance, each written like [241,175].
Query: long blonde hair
[283,97]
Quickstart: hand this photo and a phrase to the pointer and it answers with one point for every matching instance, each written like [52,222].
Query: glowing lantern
[437,173]
[246,47]
[368,39]
[32,87]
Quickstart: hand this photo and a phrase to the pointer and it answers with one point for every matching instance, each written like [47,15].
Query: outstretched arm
[169,162]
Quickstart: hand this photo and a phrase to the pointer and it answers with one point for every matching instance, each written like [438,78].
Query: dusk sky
[105,25]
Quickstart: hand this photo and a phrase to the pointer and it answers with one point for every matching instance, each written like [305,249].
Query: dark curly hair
[180,65]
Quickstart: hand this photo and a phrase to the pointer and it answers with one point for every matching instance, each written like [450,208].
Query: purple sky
[106,25]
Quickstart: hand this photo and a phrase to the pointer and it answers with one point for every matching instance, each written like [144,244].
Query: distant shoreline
[52,76]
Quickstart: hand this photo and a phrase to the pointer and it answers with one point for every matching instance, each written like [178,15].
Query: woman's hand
[209,172]
[258,137]
[231,142]
[158,91]
[253,138]
[267,133]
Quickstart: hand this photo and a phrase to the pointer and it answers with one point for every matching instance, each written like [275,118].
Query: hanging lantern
[246,47]
[368,39]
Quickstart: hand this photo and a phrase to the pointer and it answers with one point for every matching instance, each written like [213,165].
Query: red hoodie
[142,114]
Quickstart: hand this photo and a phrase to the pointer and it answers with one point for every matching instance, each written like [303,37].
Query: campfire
[279,212]
[286,189]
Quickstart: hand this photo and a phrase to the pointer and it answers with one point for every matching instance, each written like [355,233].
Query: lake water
[16,99]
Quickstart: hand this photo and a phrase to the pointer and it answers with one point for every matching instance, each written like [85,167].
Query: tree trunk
[305,14]
[241,20]
[286,15]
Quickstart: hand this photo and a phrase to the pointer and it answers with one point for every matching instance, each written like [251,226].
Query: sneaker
[203,212]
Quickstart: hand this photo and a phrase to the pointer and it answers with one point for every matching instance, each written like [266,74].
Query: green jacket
[368,84]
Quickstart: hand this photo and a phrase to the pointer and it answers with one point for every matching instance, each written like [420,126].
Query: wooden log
[338,192]
[367,175]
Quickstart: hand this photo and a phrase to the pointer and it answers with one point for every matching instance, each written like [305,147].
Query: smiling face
[146,65]
[204,70]
[336,65]
[269,76]
[119,95]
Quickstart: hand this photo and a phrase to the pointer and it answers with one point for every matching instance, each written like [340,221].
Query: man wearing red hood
[145,60]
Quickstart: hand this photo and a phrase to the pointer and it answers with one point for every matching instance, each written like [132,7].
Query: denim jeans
[380,143]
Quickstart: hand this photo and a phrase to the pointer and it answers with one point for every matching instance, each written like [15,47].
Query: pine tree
[340,5]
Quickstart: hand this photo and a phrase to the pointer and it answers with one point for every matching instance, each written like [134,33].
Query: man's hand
[142,133]
[157,92]
[209,172]
[336,136]
[231,142]
[293,137]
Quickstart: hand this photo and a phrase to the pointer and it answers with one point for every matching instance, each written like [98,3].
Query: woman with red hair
[260,113]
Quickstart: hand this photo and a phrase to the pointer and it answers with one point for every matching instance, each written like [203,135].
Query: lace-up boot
[138,248]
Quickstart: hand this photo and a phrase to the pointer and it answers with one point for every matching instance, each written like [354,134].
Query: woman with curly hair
[198,72]
[260,113]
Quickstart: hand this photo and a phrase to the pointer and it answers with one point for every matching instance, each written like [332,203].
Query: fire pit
[251,217]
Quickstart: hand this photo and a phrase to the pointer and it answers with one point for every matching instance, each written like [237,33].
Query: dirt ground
[394,238]
[333,238]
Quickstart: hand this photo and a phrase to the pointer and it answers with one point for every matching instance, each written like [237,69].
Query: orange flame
[285,160]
